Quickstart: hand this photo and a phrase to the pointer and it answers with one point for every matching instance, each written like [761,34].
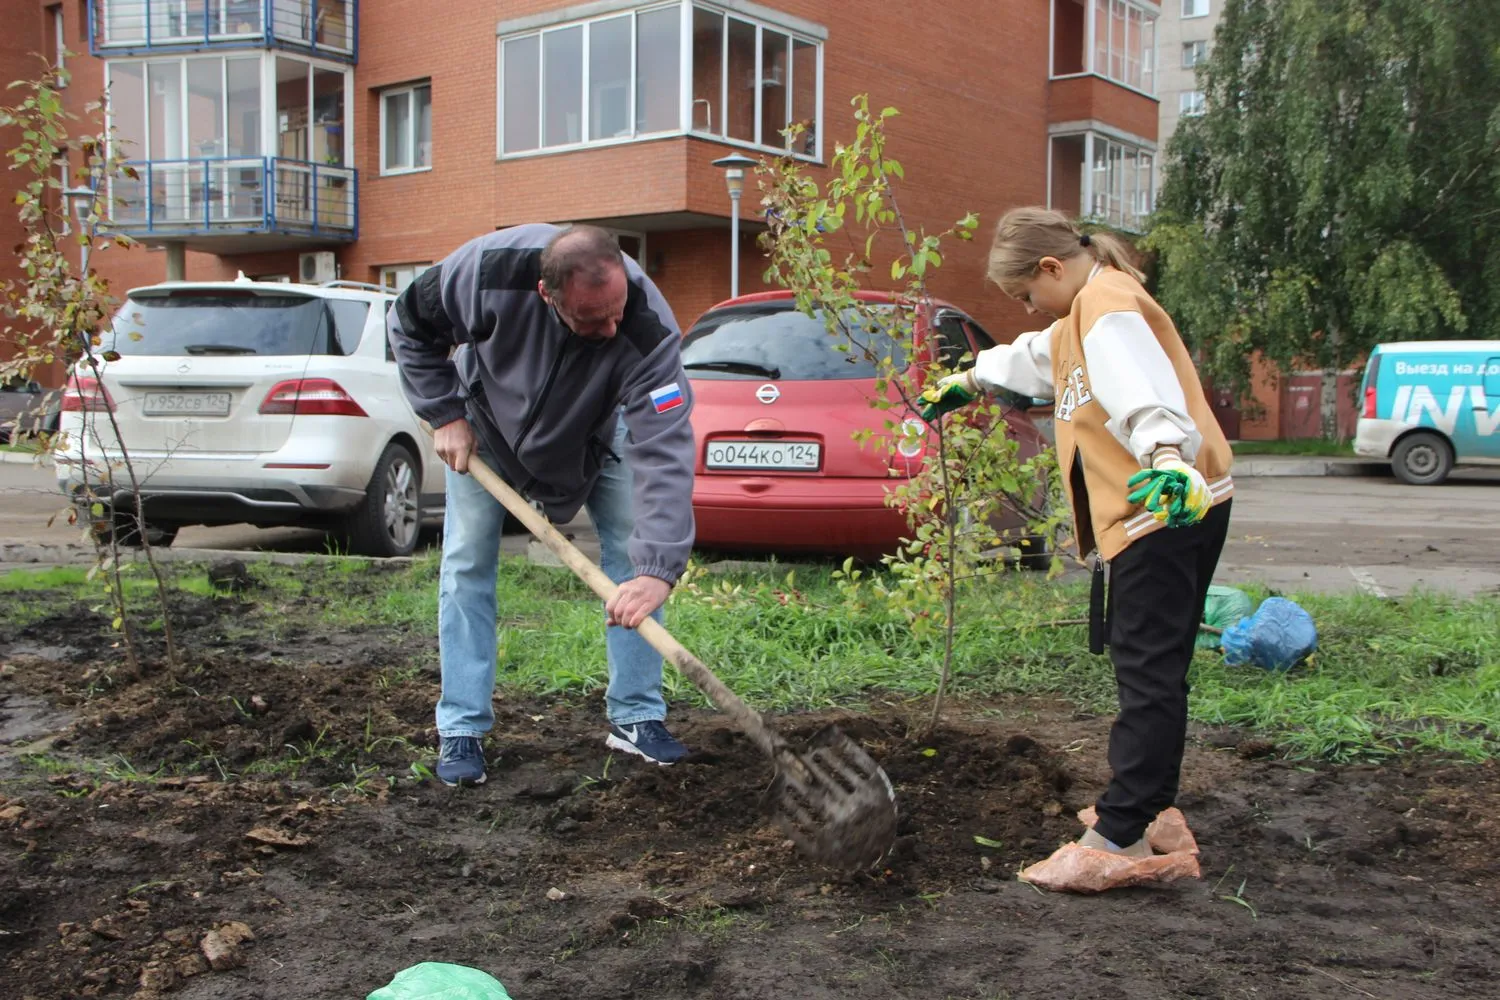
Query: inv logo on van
[1414,402]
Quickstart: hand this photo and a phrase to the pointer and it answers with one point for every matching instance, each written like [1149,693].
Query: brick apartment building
[322,138]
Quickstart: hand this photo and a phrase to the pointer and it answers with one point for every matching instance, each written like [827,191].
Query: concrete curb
[24,458]
[51,554]
[1267,466]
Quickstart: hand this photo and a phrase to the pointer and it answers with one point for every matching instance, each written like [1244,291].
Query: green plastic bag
[439,981]
[1224,607]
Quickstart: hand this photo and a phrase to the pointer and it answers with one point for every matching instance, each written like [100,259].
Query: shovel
[830,798]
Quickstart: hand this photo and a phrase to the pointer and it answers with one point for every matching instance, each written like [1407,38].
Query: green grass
[1390,676]
[1309,446]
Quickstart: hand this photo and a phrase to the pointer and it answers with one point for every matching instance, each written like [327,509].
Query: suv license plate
[796,456]
[185,404]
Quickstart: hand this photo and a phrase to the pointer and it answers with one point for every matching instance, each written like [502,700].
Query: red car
[776,408]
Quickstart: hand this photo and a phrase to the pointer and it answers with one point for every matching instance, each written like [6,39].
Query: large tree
[1343,187]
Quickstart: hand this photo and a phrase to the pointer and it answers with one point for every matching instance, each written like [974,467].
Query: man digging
[566,379]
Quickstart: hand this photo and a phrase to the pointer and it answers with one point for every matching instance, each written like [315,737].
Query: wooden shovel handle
[747,719]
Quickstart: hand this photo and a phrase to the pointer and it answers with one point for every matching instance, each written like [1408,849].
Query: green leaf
[929,752]
[987,842]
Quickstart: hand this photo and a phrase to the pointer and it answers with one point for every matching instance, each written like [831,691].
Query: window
[751,341]
[57,38]
[1103,178]
[1115,39]
[406,129]
[1194,8]
[953,342]
[1194,53]
[349,317]
[149,104]
[1191,102]
[396,277]
[630,75]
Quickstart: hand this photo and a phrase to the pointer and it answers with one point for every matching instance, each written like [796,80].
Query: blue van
[1431,406]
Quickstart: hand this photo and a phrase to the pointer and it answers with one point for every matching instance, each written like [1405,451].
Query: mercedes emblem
[768,394]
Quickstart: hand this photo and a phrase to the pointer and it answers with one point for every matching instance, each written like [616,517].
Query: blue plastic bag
[1278,636]
[439,981]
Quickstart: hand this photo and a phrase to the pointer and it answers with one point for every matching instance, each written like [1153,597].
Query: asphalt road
[1308,534]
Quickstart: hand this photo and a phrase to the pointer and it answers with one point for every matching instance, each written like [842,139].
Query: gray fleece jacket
[551,395]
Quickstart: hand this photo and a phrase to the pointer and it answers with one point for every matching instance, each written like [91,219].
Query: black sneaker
[646,739]
[460,761]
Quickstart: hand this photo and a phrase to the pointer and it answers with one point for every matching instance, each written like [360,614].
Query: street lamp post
[734,178]
[81,199]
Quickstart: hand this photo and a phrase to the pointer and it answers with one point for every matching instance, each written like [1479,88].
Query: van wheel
[389,519]
[1422,459]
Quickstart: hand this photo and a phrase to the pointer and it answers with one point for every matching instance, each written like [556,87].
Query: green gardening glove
[1174,492]
[950,392]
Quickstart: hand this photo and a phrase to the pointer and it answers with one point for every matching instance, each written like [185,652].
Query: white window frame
[410,90]
[396,271]
[1196,8]
[1135,205]
[1199,49]
[268,118]
[762,18]
[59,35]
[1191,104]
[1149,14]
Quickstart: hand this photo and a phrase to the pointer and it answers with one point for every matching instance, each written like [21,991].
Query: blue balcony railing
[236,196]
[135,27]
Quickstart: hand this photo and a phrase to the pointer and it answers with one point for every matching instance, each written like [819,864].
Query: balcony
[326,28]
[227,205]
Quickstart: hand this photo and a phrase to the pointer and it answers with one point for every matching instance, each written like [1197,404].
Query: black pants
[1157,588]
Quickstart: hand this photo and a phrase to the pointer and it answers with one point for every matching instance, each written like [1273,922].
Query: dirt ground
[321,876]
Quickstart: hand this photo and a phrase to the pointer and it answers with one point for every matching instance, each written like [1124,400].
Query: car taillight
[85,394]
[1372,381]
[308,397]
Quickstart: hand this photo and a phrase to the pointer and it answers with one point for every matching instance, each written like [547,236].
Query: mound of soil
[287,848]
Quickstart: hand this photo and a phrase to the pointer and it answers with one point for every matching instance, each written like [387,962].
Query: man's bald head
[587,255]
[583,278]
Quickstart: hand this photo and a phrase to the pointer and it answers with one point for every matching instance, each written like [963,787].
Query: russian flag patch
[668,397]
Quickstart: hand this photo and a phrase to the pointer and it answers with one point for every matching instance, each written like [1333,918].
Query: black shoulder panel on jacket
[642,328]
[510,269]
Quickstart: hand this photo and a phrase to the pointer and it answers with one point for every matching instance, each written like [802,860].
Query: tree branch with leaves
[57,312]
[830,245]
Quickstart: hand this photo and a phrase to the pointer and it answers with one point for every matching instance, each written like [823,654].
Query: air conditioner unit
[316,268]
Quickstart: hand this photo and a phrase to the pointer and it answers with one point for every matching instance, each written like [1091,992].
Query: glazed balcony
[237,204]
[326,28]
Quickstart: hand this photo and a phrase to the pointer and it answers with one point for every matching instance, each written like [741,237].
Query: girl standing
[1146,472]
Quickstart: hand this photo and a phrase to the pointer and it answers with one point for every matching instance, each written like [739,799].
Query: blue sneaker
[646,739]
[460,761]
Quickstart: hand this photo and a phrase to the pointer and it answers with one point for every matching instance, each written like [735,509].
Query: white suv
[257,403]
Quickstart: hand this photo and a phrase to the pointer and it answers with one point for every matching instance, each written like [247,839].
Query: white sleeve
[1024,366]
[1133,379]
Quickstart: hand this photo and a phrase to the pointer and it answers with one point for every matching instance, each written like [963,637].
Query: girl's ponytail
[1108,248]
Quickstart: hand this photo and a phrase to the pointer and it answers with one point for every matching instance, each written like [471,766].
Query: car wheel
[126,531]
[389,519]
[1422,459]
[1034,554]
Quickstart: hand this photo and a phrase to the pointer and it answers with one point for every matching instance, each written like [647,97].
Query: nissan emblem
[768,394]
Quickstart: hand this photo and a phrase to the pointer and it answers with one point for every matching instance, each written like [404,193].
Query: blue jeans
[467,612]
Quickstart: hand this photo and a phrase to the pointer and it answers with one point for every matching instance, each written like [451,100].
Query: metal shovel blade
[833,801]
